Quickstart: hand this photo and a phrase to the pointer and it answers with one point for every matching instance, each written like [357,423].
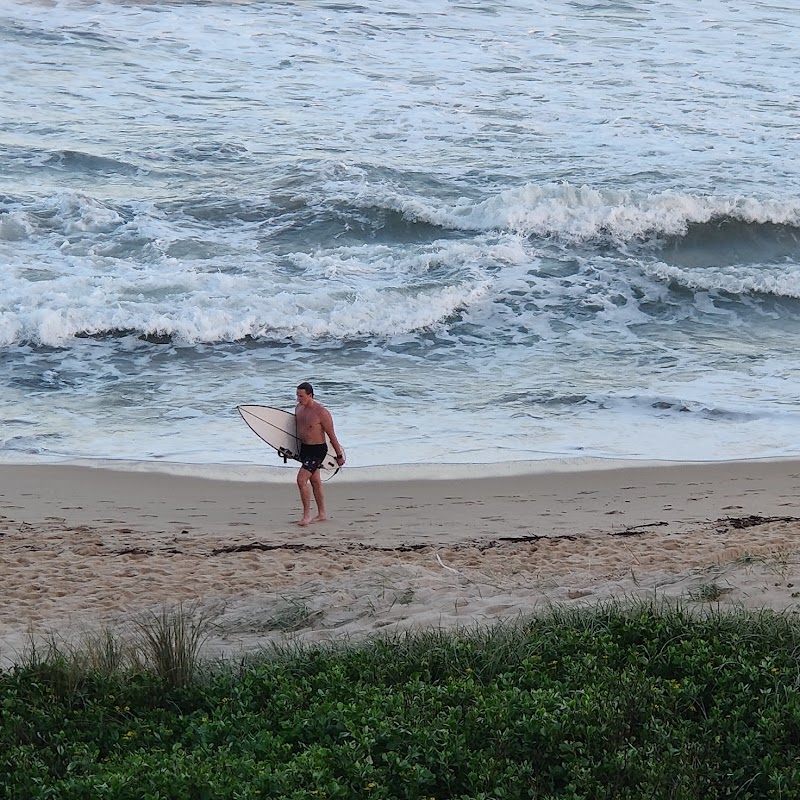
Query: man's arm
[327,425]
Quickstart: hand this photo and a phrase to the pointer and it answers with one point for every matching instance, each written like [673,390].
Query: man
[313,422]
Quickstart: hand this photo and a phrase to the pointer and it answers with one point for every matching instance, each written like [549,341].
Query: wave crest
[583,214]
[782,282]
[343,316]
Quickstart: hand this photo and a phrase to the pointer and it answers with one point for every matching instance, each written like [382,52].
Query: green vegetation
[708,593]
[643,702]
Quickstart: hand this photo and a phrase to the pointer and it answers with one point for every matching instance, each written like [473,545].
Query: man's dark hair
[306,387]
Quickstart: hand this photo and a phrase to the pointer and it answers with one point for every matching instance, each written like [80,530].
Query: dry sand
[84,547]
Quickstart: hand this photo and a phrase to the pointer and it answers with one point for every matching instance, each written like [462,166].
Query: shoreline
[89,546]
[253,472]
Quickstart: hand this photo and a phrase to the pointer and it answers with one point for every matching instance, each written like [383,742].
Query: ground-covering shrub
[639,702]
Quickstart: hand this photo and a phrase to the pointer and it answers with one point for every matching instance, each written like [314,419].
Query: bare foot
[319,518]
[304,521]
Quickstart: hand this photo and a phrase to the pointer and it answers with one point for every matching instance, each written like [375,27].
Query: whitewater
[487,232]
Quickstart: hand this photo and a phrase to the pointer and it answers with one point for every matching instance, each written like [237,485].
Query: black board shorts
[312,456]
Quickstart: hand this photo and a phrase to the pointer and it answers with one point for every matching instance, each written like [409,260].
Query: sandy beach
[83,547]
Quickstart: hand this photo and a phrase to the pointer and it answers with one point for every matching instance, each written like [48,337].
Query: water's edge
[249,473]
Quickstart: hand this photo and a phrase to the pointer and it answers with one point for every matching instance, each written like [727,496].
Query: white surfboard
[278,429]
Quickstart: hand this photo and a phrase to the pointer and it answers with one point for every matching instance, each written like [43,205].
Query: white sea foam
[15,227]
[343,295]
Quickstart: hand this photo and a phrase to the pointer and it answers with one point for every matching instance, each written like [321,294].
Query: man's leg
[303,476]
[319,496]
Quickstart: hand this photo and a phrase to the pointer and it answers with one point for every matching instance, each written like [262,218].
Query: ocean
[487,232]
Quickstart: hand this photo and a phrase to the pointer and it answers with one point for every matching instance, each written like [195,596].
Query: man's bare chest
[308,420]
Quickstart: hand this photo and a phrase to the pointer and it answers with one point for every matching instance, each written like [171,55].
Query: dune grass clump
[166,643]
[648,701]
[170,641]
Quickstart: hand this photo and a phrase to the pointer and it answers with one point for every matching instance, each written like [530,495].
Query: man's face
[304,398]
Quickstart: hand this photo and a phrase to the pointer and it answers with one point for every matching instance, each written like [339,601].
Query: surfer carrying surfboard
[314,422]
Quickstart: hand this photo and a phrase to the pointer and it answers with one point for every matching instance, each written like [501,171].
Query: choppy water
[484,230]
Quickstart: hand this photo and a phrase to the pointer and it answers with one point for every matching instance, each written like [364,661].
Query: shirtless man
[313,422]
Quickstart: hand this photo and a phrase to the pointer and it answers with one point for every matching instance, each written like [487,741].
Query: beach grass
[639,701]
